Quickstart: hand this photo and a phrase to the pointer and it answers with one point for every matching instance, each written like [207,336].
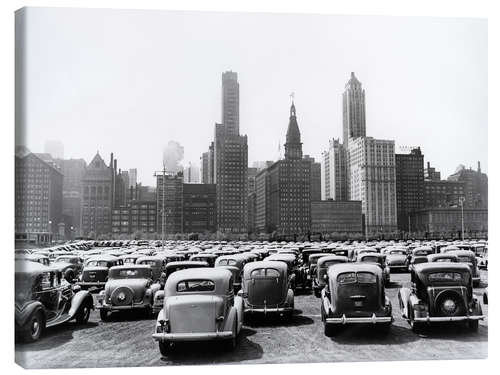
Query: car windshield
[464,259]
[98,263]
[227,262]
[195,286]
[445,276]
[130,273]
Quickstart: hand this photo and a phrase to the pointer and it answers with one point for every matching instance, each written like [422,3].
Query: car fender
[23,314]
[403,297]
[238,304]
[78,299]
[325,301]
[229,320]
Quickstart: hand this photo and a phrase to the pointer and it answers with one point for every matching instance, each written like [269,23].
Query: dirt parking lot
[126,341]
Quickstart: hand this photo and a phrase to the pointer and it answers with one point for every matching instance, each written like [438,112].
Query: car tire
[104,315]
[83,314]
[473,325]
[231,343]
[416,327]
[33,328]
[165,348]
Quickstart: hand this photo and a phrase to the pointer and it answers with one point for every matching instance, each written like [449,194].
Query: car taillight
[163,327]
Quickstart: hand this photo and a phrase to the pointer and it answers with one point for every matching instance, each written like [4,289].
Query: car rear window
[346,277]
[130,274]
[445,276]
[465,259]
[265,272]
[227,262]
[129,260]
[444,260]
[195,286]
[366,278]
[97,263]
[149,262]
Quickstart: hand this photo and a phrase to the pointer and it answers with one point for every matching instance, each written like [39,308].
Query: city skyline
[413,102]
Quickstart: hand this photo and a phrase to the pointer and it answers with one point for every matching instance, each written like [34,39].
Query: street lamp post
[462,199]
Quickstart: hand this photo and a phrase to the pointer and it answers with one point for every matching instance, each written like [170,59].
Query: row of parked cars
[205,291]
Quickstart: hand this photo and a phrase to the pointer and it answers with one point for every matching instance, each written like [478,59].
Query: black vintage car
[70,266]
[319,278]
[355,293]
[440,292]
[95,271]
[44,299]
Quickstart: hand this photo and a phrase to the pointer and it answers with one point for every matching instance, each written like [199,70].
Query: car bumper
[369,319]
[98,284]
[430,319]
[205,336]
[124,307]
[268,310]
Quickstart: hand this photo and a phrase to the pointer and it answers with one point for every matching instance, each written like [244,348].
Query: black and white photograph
[226,188]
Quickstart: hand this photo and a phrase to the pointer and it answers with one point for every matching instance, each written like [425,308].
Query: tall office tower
[98,199]
[409,186]
[315,178]
[373,182]
[475,186]
[334,172]
[73,171]
[54,148]
[283,191]
[132,174]
[231,103]
[230,162]
[126,186]
[169,197]
[38,198]
[353,103]
[199,208]
[204,160]
[192,174]
[211,164]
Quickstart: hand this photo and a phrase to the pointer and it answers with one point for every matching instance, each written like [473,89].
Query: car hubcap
[35,327]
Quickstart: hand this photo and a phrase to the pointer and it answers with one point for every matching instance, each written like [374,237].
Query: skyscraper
[315,178]
[231,103]
[354,120]
[373,182]
[230,161]
[283,191]
[409,186]
[334,172]
[132,174]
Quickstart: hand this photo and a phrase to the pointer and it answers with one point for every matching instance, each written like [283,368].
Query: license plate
[358,303]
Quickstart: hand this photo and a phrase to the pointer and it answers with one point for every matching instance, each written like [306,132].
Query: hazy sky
[129,81]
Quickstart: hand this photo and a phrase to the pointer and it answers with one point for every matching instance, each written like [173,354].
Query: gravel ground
[126,341]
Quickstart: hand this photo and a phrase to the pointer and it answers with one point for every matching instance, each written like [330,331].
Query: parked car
[266,289]
[482,257]
[71,266]
[129,287]
[419,255]
[95,271]
[319,279]
[44,299]
[130,258]
[199,305]
[380,260]
[292,263]
[468,257]
[396,259]
[156,263]
[35,257]
[205,257]
[355,293]
[440,292]
[236,263]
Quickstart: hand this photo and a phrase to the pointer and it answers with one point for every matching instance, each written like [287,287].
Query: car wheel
[34,327]
[165,348]
[83,314]
[104,315]
[329,330]
[473,325]
[416,327]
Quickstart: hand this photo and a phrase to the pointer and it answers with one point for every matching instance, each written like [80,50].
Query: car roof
[135,266]
[327,258]
[187,262]
[339,268]
[431,257]
[440,266]
[102,257]
[214,274]
[373,254]
[461,253]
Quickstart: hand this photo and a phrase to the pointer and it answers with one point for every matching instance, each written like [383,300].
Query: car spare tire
[122,296]
[450,303]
